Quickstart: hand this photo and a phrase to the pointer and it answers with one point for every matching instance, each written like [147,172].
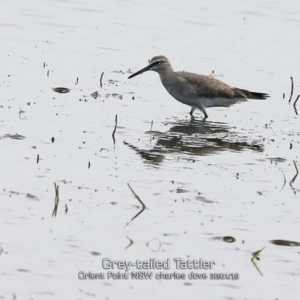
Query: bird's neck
[167,75]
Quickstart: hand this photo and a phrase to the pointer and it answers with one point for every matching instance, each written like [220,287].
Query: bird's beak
[141,71]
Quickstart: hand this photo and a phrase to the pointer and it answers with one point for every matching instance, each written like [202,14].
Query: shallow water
[217,190]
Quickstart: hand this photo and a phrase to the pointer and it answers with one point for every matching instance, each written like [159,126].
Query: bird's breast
[179,89]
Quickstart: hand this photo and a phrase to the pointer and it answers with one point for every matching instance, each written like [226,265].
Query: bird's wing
[206,86]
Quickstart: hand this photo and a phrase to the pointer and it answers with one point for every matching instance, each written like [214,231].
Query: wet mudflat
[218,190]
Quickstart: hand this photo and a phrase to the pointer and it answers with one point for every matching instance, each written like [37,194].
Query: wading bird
[197,91]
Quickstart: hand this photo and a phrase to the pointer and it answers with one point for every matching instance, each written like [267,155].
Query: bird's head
[156,63]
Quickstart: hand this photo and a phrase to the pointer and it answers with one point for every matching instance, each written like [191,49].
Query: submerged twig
[20,112]
[296,111]
[294,178]
[101,79]
[136,215]
[284,180]
[116,123]
[255,256]
[130,242]
[136,196]
[56,199]
[139,199]
[296,100]
[292,89]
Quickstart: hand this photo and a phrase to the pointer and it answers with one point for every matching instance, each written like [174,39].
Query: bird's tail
[251,95]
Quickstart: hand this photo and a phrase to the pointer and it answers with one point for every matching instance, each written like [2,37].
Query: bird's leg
[192,119]
[204,111]
[192,110]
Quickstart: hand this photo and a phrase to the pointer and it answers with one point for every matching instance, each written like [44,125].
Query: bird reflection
[199,138]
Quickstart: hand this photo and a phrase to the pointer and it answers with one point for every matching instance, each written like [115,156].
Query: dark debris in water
[32,197]
[23,270]
[117,96]
[114,95]
[13,136]
[285,243]
[112,82]
[28,195]
[203,199]
[276,159]
[226,239]
[180,191]
[95,95]
[62,90]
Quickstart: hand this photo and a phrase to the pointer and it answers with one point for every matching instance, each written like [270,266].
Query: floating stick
[296,100]
[284,180]
[56,199]
[295,104]
[101,79]
[116,123]
[292,89]
[297,172]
